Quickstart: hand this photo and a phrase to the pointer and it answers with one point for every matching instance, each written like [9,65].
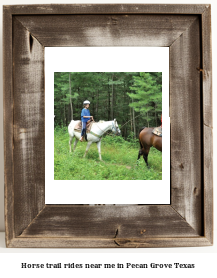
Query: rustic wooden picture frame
[186,30]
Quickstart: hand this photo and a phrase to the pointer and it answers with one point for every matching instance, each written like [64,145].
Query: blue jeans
[83,128]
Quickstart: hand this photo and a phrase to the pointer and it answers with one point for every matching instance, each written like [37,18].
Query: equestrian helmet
[86,102]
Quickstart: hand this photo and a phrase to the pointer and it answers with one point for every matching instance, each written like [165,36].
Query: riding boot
[81,139]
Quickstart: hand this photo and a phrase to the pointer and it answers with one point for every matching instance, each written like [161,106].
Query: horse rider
[85,116]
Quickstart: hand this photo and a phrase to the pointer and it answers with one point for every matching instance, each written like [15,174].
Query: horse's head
[115,128]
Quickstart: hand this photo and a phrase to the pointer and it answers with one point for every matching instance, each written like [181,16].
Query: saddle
[78,126]
[157,131]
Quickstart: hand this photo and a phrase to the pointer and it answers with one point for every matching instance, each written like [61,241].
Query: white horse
[95,134]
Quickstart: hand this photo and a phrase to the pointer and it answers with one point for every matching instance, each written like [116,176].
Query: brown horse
[147,140]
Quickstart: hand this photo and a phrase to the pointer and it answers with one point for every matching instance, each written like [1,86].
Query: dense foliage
[119,160]
[134,99]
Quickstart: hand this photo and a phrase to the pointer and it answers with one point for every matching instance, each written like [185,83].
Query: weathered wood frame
[186,29]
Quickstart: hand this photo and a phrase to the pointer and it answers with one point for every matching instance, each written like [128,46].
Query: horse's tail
[139,139]
[140,144]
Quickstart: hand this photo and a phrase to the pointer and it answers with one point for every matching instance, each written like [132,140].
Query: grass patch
[119,160]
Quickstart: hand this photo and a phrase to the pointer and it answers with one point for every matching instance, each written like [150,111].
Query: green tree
[133,98]
[147,95]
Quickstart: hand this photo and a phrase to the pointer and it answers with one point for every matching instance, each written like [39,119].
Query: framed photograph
[80,73]
[52,199]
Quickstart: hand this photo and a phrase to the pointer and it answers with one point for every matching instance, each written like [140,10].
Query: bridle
[114,129]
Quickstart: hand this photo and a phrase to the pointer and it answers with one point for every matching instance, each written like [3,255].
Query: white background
[101,59]
[204,257]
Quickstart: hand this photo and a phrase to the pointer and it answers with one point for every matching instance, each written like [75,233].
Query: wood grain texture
[106,9]
[109,222]
[34,242]
[8,125]
[186,30]
[29,131]
[185,111]
[207,67]
[207,118]
[107,30]
[208,183]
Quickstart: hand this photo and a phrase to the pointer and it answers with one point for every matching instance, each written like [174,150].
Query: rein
[99,136]
[129,121]
[123,124]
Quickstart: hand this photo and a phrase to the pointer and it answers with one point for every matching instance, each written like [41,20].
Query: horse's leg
[140,151]
[145,156]
[99,149]
[75,143]
[88,146]
[139,154]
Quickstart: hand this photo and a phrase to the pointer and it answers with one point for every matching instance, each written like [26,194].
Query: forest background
[133,98]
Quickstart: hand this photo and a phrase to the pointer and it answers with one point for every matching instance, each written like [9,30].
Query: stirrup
[81,139]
